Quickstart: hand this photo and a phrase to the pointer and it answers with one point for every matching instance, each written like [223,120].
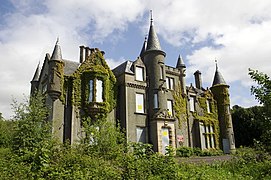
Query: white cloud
[240,29]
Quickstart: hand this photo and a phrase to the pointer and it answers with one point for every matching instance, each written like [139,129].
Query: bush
[188,151]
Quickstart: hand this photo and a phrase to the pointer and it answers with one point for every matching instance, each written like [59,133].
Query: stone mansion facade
[150,100]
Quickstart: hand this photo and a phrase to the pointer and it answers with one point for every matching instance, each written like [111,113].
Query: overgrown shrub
[188,151]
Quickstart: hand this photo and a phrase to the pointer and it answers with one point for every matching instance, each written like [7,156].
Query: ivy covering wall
[209,118]
[93,68]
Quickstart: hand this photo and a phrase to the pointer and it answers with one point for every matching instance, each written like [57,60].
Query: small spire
[180,62]
[216,67]
[37,73]
[57,55]
[143,47]
[218,79]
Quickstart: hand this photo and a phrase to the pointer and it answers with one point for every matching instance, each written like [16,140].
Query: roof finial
[57,40]
[216,66]
[151,17]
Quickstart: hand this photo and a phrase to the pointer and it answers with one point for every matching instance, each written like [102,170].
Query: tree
[247,124]
[262,92]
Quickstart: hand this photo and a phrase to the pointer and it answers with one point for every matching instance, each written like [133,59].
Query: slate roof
[123,68]
[70,66]
[37,74]
[153,41]
[218,79]
[143,47]
[56,55]
[180,62]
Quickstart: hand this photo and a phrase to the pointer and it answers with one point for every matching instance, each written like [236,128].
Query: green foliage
[248,124]
[263,95]
[6,132]
[180,105]
[188,152]
[104,154]
[31,129]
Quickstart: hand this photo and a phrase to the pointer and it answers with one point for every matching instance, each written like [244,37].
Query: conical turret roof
[218,79]
[153,41]
[180,62]
[37,74]
[143,47]
[57,55]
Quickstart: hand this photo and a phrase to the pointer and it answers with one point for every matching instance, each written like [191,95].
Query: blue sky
[236,33]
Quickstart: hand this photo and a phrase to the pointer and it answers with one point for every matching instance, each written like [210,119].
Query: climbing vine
[180,105]
[209,118]
[93,68]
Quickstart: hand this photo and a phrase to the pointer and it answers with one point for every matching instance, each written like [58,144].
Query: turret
[181,66]
[56,71]
[220,91]
[154,59]
[35,81]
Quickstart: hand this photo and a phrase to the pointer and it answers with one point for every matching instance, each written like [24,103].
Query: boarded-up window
[141,134]
[155,100]
[139,73]
[139,103]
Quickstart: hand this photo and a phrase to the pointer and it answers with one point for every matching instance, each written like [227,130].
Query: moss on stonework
[209,118]
[180,105]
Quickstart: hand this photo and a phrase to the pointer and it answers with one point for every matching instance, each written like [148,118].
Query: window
[155,100]
[90,98]
[170,83]
[141,134]
[208,136]
[169,107]
[97,94]
[161,72]
[140,103]
[192,103]
[139,73]
[208,103]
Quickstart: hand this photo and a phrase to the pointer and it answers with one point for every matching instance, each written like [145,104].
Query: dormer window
[95,90]
[139,73]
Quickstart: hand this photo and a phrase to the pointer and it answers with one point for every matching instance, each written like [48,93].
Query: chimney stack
[198,80]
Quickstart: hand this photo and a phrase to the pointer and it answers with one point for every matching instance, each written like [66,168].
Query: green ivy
[93,68]
[209,118]
[180,105]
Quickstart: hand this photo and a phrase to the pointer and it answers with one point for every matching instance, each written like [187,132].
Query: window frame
[137,103]
[93,95]
[170,83]
[192,103]
[139,75]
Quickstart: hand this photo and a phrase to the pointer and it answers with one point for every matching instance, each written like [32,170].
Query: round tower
[220,91]
[56,71]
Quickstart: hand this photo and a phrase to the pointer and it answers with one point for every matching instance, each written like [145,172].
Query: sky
[235,33]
